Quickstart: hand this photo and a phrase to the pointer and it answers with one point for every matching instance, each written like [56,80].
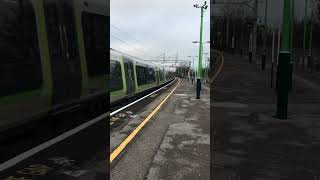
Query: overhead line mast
[203,8]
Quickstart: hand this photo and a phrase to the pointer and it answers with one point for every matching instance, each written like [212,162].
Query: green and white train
[52,57]
[130,75]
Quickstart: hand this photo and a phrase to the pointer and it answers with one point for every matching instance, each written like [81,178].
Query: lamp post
[283,71]
[207,42]
[203,8]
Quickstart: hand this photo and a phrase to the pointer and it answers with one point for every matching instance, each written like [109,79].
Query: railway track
[130,99]
[122,112]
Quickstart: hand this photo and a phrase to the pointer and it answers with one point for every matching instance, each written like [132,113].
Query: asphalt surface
[173,145]
[27,136]
[305,72]
[81,156]
[248,141]
[122,118]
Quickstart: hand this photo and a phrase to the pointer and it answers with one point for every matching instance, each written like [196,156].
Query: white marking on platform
[181,94]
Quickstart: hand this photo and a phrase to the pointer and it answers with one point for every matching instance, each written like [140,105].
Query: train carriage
[130,75]
[52,57]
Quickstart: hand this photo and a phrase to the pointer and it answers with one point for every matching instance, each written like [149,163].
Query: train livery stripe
[44,51]
[80,41]
[135,76]
[29,95]
[120,148]
[115,95]
[124,82]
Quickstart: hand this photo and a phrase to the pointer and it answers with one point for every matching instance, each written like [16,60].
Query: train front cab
[129,76]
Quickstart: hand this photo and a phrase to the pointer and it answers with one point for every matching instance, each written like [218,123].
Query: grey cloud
[160,26]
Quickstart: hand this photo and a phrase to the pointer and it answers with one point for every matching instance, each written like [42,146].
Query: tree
[316,29]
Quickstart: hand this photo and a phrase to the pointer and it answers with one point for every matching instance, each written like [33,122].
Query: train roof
[95,6]
[141,61]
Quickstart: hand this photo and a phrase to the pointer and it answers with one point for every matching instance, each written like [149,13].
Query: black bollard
[250,57]
[310,60]
[263,63]
[283,78]
[271,79]
[198,88]
[290,76]
[277,77]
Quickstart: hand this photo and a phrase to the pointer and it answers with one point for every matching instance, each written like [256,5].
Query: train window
[53,30]
[20,64]
[115,76]
[95,32]
[151,75]
[141,75]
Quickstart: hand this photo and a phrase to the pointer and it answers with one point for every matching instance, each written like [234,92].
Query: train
[130,75]
[53,57]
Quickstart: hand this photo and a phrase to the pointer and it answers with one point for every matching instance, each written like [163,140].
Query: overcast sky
[149,28]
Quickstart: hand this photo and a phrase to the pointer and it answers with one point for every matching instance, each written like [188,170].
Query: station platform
[174,144]
[248,141]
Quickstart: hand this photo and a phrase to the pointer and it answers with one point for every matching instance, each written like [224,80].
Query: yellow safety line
[120,148]
[218,72]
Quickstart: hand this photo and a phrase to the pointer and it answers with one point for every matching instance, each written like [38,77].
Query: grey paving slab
[174,144]
[249,142]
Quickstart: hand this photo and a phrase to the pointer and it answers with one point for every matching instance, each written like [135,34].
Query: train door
[158,76]
[63,50]
[129,73]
